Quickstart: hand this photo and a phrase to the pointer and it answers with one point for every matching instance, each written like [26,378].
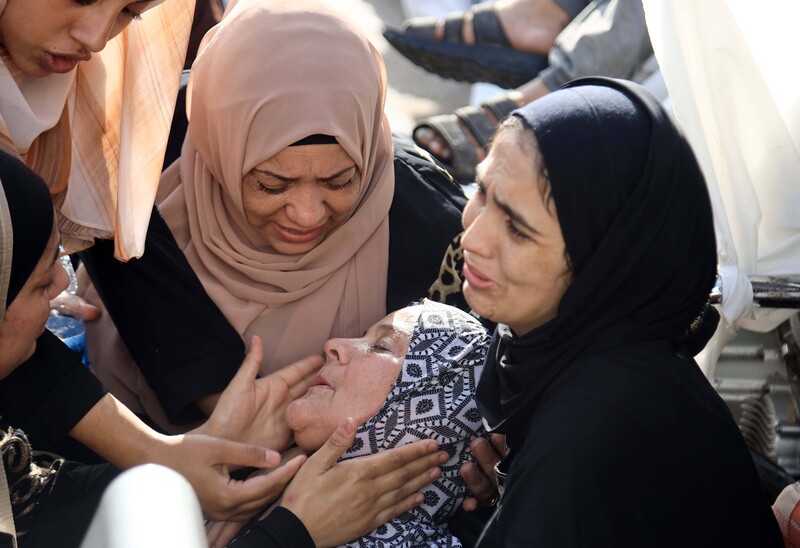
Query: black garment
[31,210]
[616,438]
[424,218]
[180,340]
[53,501]
[49,394]
[632,447]
[279,529]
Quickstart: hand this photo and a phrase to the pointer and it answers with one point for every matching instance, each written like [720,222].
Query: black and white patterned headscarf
[433,398]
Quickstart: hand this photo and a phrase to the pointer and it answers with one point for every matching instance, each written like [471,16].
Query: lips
[476,278]
[61,64]
[296,236]
[321,381]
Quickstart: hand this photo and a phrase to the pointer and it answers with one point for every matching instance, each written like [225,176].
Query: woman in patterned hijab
[411,376]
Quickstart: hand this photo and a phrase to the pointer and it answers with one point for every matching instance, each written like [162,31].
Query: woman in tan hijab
[287,190]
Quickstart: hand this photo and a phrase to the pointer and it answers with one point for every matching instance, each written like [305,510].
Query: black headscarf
[637,223]
[30,210]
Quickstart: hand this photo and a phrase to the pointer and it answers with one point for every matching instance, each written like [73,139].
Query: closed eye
[515,232]
[339,186]
[272,190]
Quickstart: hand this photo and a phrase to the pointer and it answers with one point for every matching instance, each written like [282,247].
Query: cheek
[258,205]
[342,202]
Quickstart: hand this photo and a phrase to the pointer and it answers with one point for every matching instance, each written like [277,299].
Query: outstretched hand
[340,501]
[206,462]
[481,479]
[252,409]
[220,533]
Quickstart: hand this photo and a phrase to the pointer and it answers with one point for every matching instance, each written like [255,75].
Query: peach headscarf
[97,135]
[270,74]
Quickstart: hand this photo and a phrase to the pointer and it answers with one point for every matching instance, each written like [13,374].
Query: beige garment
[271,73]
[114,113]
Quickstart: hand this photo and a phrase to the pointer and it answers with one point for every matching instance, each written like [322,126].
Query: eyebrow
[388,328]
[295,179]
[505,208]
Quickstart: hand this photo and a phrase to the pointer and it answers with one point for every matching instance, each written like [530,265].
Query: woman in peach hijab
[291,206]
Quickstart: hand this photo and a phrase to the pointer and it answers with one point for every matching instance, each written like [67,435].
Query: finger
[409,460]
[251,364]
[299,375]
[300,387]
[249,496]
[90,312]
[486,455]
[405,497]
[499,443]
[481,486]
[232,453]
[226,534]
[339,442]
[402,482]
[213,530]
[408,503]
[470,504]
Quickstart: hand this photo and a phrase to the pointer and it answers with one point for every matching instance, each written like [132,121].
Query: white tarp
[731,70]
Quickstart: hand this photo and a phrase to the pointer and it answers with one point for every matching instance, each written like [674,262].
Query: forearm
[111,430]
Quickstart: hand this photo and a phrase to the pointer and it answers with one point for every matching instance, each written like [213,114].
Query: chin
[309,441]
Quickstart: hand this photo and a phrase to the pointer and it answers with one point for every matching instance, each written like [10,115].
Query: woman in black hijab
[590,241]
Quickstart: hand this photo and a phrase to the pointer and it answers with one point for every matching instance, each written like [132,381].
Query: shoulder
[417,174]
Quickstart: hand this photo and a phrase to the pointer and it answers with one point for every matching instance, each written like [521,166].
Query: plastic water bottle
[66,317]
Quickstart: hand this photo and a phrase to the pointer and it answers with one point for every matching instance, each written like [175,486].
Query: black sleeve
[182,343]
[281,528]
[50,393]
[424,218]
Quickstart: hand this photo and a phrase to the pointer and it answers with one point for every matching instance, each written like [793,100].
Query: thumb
[90,312]
[251,364]
[339,442]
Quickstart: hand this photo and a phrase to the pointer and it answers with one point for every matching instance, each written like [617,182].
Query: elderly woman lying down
[411,376]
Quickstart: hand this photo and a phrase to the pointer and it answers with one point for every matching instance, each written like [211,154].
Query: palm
[252,410]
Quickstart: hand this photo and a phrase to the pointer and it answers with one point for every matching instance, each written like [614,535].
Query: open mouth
[476,278]
[61,64]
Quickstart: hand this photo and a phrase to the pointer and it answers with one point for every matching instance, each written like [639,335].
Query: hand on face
[221,533]
[43,37]
[252,410]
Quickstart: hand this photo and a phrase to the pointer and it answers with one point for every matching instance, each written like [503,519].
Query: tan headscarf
[270,74]
[97,135]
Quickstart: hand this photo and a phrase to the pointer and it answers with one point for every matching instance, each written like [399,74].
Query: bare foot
[531,25]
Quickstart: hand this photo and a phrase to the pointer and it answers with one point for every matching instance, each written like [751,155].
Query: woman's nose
[93,30]
[337,351]
[477,235]
[307,207]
